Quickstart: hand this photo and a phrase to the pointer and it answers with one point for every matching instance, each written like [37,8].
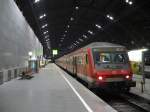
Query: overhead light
[77,8]
[64,35]
[71,19]
[42,16]
[110,17]
[81,39]
[90,32]
[36,1]
[45,32]
[66,31]
[44,25]
[46,36]
[68,26]
[129,2]
[85,36]
[98,26]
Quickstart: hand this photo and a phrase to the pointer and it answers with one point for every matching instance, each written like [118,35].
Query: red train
[100,64]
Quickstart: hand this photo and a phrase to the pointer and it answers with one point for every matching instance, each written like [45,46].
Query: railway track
[125,102]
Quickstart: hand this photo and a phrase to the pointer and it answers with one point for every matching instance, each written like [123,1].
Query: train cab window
[103,57]
[119,57]
[110,57]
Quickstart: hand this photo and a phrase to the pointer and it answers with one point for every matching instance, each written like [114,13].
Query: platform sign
[55,52]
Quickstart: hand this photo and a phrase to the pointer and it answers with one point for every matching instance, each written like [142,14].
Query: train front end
[112,68]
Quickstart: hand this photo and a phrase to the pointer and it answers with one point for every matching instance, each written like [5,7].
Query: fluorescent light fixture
[127,1]
[81,39]
[71,19]
[85,36]
[110,17]
[77,8]
[42,16]
[44,25]
[77,42]
[36,1]
[45,32]
[90,32]
[98,26]
[130,3]
[46,36]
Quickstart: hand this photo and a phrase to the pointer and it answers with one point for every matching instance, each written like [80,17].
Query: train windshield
[110,57]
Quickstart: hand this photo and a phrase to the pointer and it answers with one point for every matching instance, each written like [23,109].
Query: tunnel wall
[16,40]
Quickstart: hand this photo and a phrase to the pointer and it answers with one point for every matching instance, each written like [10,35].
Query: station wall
[17,39]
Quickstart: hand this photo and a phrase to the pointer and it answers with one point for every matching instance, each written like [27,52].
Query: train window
[102,57]
[86,59]
[79,60]
[119,57]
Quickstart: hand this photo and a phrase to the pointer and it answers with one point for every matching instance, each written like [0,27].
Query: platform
[138,89]
[51,90]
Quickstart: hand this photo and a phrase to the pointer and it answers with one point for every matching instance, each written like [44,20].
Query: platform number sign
[55,52]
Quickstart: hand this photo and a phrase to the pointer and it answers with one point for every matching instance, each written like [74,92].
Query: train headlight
[100,78]
[127,76]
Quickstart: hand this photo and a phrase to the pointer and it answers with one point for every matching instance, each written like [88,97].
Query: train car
[100,64]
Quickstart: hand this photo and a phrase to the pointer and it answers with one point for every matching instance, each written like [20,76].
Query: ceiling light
[127,1]
[45,32]
[36,1]
[90,32]
[98,26]
[77,8]
[42,16]
[46,36]
[68,26]
[110,17]
[44,25]
[71,19]
[81,39]
[85,36]
[130,3]
[66,31]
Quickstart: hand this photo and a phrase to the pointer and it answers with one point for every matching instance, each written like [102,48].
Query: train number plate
[114,79]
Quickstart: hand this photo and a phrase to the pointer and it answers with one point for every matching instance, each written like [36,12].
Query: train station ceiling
[67,25]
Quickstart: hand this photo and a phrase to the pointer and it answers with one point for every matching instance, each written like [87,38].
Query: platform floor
[138,89]
[51,90]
